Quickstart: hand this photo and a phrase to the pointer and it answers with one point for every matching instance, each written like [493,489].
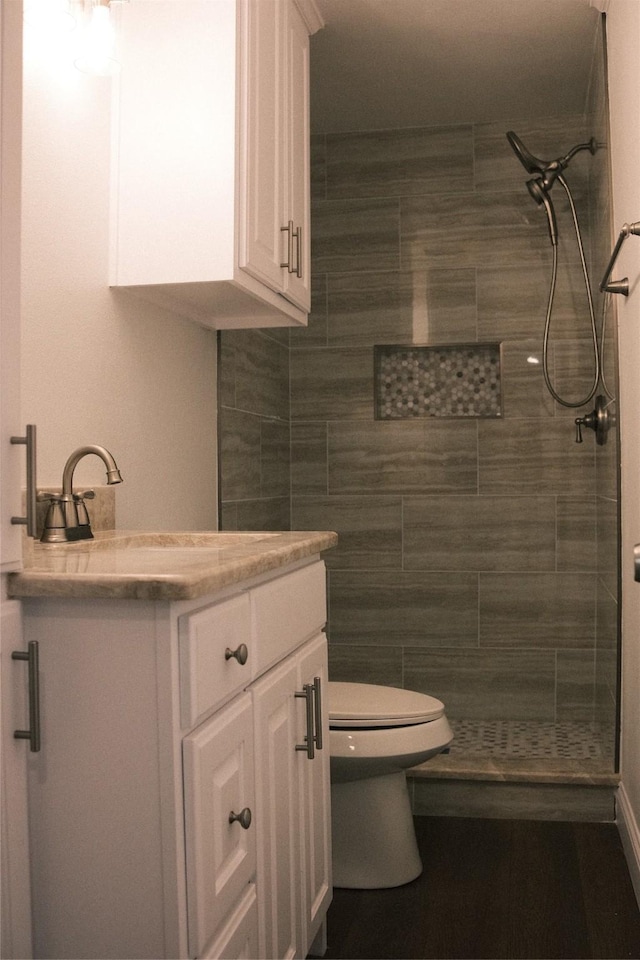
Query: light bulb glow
[98,44]
[51,17]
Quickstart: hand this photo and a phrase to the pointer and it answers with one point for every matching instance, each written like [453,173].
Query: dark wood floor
[498,889]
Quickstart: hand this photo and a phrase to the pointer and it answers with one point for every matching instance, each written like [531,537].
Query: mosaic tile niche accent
[454,380]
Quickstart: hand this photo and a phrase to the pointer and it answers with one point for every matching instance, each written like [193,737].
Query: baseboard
[630,835]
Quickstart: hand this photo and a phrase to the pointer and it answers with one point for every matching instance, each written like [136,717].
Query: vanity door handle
[241,654]
[243,818]
[307,695]
[317,685]
[33,659]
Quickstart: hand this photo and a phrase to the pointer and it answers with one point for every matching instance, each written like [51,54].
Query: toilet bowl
[376,734]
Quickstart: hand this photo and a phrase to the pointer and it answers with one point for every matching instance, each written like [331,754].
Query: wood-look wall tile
[262,374]
[228,519]
[572,379]
[275,465]
[315,333]
[576,533]
[334,383]
[264,514]
[388,163]
[543,610]
[404,458]
[358,664]
[485,684]
[309,459]
[350,235]
[426,306]
[318,167]
[608,543]
[443,306]
[524,393]
[607,612]
[497,167]
[370,308]
[575,685]
[534,457]
[369,529]
[468,230]
[239,440]
[479,533]
[226,371]
[396,609]
[512,300]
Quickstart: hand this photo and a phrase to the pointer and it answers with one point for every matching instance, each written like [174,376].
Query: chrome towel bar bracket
[619,286]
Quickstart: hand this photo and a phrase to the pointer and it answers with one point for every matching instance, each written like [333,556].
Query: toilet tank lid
[365,704]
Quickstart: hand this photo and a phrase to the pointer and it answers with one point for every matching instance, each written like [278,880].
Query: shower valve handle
[589,420]
[600,420]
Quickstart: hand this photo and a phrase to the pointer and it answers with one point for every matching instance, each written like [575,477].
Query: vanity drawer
[207,677]
[287,611]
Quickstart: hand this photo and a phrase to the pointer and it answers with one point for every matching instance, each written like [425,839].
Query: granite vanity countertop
[159,566]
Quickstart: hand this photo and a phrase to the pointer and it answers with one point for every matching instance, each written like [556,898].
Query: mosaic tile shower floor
[507,739]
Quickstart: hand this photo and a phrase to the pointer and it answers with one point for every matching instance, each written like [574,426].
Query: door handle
[29,441]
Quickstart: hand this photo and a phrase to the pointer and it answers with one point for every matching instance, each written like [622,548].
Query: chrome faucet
[67,517]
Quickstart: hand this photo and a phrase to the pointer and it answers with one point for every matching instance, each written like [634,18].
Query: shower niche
[446,380]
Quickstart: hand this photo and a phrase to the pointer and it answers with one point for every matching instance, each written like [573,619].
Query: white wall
[623,32]
[99,366]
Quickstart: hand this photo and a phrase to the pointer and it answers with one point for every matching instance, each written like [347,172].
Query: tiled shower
[477,558]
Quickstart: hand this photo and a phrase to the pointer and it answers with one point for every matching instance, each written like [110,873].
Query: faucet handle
[84,531]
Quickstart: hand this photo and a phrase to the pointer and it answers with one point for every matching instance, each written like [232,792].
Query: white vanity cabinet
[211,159]
[172,813]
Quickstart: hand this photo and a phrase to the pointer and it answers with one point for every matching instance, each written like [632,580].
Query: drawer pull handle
[243,818]
[33,662]
[241,654]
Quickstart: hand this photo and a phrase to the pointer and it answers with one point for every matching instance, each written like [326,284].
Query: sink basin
[187,542]
[191,541]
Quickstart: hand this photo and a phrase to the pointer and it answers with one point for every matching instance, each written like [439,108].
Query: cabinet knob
[241,654]
[243,818]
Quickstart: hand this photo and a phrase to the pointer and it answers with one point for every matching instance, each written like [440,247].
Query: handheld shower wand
[539,187]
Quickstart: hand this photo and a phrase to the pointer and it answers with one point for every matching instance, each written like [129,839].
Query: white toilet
[376,733]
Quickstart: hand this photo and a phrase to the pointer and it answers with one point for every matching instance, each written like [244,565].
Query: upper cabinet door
[211,159]
[297,140]
[273,224]
[262,154]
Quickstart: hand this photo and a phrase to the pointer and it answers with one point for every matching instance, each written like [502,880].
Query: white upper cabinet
[210,205]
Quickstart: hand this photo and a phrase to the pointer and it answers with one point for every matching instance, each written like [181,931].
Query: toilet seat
[357,705]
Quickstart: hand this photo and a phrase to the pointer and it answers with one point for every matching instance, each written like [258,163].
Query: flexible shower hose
[594,332]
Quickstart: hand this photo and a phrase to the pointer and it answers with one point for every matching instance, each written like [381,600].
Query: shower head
[548,169]
[548,172]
